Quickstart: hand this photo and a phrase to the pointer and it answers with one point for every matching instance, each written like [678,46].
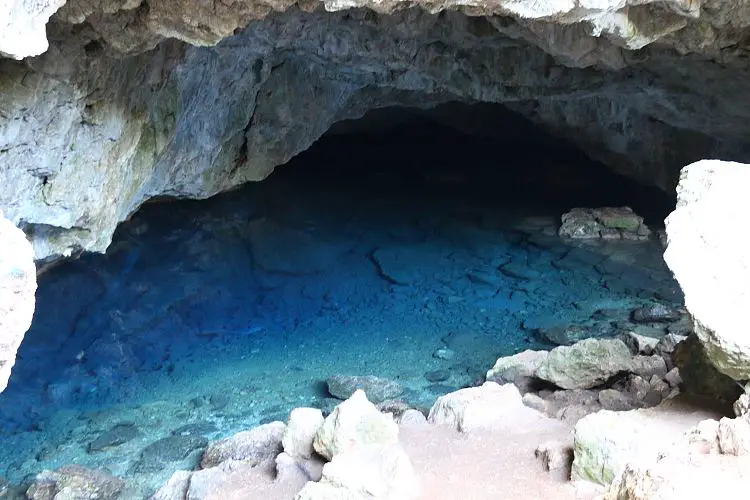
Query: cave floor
[208,317]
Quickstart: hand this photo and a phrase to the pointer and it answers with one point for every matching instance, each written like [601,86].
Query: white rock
[176,488]
[515,368]
[353,423]
[367,472]
[300,431]
[585,364]
[412,417]
[709,257]
[734,435]
[255,446]
[17,289]
[488,406]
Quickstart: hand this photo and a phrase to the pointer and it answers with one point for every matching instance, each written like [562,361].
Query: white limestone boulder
[709,256]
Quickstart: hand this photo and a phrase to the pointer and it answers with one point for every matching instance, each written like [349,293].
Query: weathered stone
[169,449]
[255,446]
[377,389]
[606,223]
[300,431]
[648,366]
[353,423]
[639,344]
[656,313]
[742,405]
[710,194]
[17,289]
[673,377]
[734,436]
[668,344]
[605,441]
[116,436]
[370,471]
[475,408]
[518,369]
[586,364]
[614,400]
[555,455]
[74,482]
[175,488]
[298,469]
[412,418]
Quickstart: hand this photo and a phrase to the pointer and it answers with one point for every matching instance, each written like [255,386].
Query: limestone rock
[742,405]
[555,455]
[367,472]
[377,389]
[585,364]
[700,376]
[710,194]
[734,436]
[75,482]
[23,26]
[488,406]
[639,344]
[175,488]
[518,369]
[648,366]
[603,223]
[354,423]
[412,417]
[17,289]
[300,431]
[677,477]
[255,446]
[604,442]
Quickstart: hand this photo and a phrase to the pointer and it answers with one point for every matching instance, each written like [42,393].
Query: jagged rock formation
[120,109]
[17,288]
[711,262]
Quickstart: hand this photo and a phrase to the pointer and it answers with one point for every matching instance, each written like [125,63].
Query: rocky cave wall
[134,100]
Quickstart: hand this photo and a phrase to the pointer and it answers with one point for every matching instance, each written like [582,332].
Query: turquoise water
[365,255]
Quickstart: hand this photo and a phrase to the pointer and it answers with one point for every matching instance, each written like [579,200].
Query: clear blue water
[365,255]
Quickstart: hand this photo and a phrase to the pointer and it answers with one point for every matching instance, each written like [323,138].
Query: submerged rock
[710,260]
[603,223]
[160,453]
[117,435]
[17,289]
[255,446]
[377,389]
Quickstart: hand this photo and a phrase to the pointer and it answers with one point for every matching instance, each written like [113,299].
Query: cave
[415,244]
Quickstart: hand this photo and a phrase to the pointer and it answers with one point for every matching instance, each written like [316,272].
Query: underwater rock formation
[124,108]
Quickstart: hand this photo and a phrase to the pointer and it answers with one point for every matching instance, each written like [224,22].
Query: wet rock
[716,291]
[656,313]
[74,482]
[585,364]
[117,435]
[518,369]
[475,408]
[377,389]
[300,431]
[195,429]
[17,289]
[169,449]
[354,423]
[366,472]
[255,446]
[603,223]
[437,376]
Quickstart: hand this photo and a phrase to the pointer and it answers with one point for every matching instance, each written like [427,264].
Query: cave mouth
[396,246]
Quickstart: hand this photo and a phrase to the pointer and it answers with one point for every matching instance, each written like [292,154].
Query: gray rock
[603,223]
[656,313]
[116,436]
[614,400]
[377,389]
[254,447]
[160,453]
[519,369]
[586,364]
[437,376]
[648,366]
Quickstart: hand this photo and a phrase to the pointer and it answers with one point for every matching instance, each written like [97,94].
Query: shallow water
[229,312]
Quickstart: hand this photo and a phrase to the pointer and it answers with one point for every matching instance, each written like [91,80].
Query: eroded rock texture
[120,109]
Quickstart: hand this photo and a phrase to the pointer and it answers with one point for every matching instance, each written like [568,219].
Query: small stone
[659,385]
[668,344]
[673,377]
[73,482]
[648,366]
[638,387]
[444,353]
[656,313]
[639,344]
[437,376]
[377,389]
[555,455]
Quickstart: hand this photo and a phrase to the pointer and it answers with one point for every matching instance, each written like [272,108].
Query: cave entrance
[400,245]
